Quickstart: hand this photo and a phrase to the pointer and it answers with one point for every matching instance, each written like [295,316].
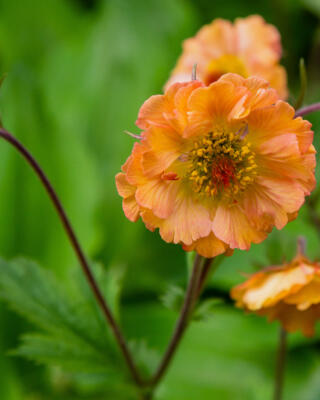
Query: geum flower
[217,167]
[288,293]
[249,47]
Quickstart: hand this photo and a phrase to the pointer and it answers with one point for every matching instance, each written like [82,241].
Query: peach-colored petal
[276,286]
[289,195]
[306,296]
[186,224]
[231,225]
[292,319]
[131,208]
[209,246]
[124,188]
[165,146]
[258,42]
[158,195]
[277,120]
[249,47]
[212,106]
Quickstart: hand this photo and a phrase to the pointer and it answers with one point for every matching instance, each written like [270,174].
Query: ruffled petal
[275,286]
[187,223]
[258,42]
[231,225]
[292,319]
[209,246]
[124,188]
[131,209]
[165,146]
[159,196]
[306,296]
[212,107]
[277,120]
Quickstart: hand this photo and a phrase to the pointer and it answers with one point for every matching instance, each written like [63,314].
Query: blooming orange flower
[249,47]
[288,293]
[218,166]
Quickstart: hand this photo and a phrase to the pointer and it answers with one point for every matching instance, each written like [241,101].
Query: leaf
[73,333]
[206,309]
[173,298]
[147,358]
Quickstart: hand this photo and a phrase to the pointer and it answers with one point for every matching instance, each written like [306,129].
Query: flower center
[221,164]
[222,65]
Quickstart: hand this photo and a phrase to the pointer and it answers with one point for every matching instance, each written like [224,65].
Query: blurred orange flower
[249,47]
[218,166]
[289,293]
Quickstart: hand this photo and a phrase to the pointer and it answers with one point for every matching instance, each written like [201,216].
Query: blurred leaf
[73,334]
[206,309]
[312,5]
[173,298]
[147,358]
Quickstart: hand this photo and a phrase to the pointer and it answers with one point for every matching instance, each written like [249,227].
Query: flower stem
[307,110]
[280,364]
[195,282]
[79,253]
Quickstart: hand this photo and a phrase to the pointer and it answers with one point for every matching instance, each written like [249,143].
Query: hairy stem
[308,109]
[204,275]
[186,310]
[79,253]
[280,365]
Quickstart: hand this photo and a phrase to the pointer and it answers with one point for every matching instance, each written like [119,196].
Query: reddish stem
[79,253]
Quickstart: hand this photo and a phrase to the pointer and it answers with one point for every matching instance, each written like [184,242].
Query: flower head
[249,47]
[218,166]
[289,293]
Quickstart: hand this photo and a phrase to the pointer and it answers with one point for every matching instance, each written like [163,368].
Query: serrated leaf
[73,332]
[147,358]
[206,309]
[173,298]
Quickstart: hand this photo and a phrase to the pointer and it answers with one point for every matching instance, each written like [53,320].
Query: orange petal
[231,225]
[306,297]
[124,188]
[258,42]
[211,107]
[276,286]
[209,246]
[270,122]
[131,208]
[186,224]
[292,319]
[165,146]
[159,196]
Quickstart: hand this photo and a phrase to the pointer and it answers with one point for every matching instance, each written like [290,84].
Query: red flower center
[223,171]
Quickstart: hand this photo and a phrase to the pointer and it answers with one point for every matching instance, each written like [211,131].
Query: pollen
[222,164]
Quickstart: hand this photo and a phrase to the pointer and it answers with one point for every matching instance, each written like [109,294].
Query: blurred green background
[78,71]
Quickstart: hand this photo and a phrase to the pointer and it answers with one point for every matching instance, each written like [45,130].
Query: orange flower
[249,47]
[218,166]
[289,293]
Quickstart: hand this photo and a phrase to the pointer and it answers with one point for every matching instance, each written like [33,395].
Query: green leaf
[73,333]
[173,298]
[147,358]
[206,309]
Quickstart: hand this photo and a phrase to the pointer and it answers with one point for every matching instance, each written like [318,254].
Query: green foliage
[173,298]
[73,333]
[206,309]
[78,72]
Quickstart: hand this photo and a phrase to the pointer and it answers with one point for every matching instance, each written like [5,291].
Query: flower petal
[209,246]
[231,225]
